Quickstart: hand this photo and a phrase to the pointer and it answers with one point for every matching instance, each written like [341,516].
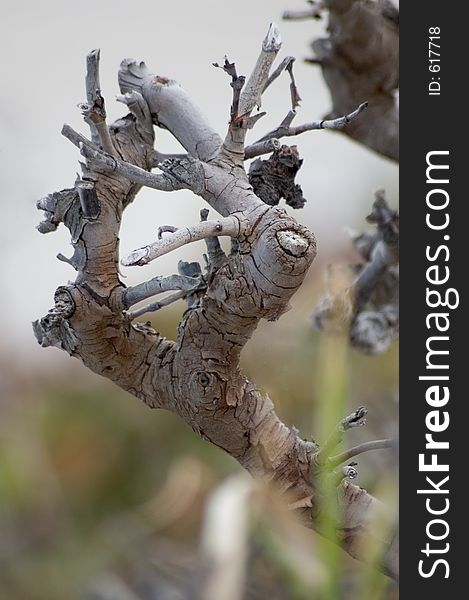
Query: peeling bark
[197,376]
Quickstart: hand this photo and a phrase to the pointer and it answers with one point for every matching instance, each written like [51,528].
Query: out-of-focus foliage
[102,498]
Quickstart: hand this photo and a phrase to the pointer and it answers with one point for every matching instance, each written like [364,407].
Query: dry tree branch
[260,148]
[197,376]
[335,461]
[159,285]
[185,235]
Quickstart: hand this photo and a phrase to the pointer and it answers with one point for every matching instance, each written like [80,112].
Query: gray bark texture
[197,376]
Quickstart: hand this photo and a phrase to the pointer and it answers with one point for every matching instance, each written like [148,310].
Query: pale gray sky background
[43,46]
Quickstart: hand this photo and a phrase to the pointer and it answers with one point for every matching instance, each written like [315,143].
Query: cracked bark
[197,376]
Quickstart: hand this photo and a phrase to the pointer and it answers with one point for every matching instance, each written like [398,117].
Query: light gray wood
[197,376]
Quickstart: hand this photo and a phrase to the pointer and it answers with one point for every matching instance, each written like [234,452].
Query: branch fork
[196,376]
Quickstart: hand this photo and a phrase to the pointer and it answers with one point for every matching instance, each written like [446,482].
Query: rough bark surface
[197,376]
[364,300]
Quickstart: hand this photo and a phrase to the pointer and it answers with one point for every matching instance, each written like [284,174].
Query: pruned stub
[278,263]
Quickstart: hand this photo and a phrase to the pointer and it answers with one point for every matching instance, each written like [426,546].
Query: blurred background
[99,496]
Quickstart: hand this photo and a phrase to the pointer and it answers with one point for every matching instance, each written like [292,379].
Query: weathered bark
[197,376]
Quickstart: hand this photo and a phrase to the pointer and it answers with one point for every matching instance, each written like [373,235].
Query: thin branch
[335,461]
[286,65]
[287,131]
[158,305]
[282,130]
[356,419]
[246,98]
[76,138]
[338,123]
[106,163]
[278,71]
[158,285]
[314,61]
[233,144]
[105,137]
[229,226]
[237,84]
[92,85]
[294,94]
[260,148]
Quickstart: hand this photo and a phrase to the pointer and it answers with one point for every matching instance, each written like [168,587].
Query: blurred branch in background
[363,299]
[359,60]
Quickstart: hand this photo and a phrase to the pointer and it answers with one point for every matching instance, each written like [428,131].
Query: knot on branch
[206,388]
[274,178]
[293,242]
[350,471]
[273,260]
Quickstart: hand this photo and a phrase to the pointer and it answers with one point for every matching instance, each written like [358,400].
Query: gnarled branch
[197,376]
